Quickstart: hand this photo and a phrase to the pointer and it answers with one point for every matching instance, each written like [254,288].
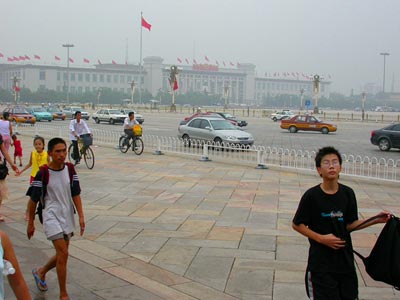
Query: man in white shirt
[128,124]
[77,127]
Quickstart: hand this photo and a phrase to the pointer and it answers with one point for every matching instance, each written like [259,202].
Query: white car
[281,115]
[110,116]
[69,112]
[138,117]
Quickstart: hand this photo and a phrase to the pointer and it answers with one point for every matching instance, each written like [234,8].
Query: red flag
[206,58]
[71,60]
[10,59]
[114,62]
[99,62]
[1,54]
[179,60]
[57,58]
[187,61]
[21,57]
[175,85]
[27,57]
[36,56]
[15,58]
[86,61]
[145,24]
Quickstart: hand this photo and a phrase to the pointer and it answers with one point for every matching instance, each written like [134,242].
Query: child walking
[38,158]
[17,149]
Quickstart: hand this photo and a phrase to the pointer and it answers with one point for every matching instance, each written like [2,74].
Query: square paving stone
[258,242]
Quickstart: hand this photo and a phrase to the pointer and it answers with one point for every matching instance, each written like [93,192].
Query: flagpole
[140,62]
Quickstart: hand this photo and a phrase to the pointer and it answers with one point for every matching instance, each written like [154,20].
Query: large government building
[239,83]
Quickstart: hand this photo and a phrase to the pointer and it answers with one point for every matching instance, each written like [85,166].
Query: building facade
[240,84]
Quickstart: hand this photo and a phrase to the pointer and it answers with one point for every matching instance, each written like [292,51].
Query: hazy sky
[340,38]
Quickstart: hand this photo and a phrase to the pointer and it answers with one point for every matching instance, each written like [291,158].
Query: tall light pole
[68,46]
[384,69]
[301,99]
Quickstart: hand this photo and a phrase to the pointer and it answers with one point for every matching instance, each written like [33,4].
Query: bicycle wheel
[70,151]
[138,146]
[123,144]
[88,156]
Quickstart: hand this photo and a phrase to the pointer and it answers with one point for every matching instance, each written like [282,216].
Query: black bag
[383,263]
[3,170]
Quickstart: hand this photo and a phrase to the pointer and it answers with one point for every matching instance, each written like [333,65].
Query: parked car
[307,123]
[69,112]
[229,117]
[111,116]
[56,113]
[19,114]
[387,137]
[138,117]
[40,113]
[211,129]
[282,115]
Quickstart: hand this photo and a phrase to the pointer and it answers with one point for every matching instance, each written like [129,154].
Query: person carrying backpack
[327,213]
[59,195]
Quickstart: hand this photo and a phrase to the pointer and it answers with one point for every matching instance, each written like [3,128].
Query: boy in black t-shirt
[326,214]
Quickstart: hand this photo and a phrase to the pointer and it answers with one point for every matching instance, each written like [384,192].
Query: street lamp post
[132,90]
[316,79]
[68,46]
[384,69]
[16,88]
[301,99]
[364,96]
[98,96]
[226,96]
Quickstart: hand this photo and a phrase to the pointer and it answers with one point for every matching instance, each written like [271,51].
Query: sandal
[40,284]
[1,219]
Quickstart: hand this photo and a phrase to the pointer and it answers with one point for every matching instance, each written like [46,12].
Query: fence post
[205,153]
[260,165]
[158,150]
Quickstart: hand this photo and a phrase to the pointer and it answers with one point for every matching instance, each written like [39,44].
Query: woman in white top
[6,130]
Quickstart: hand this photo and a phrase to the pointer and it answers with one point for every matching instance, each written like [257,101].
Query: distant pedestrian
[61,193]
[16,143]
[6,130]
[326,214]
[37,159]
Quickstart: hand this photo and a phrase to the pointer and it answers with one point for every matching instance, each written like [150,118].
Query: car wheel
[274,119]
[186,140]
[292,129]
[384,144]
[325,130]
[97,120]
[112,121]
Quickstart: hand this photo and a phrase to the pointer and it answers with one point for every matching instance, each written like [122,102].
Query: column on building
[153,74]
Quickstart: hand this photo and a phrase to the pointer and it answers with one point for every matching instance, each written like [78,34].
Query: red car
[18,114]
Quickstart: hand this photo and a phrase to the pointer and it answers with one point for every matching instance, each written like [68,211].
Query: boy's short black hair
[55,141]
[77,112]
[131,113]
[6,115]
[325,151]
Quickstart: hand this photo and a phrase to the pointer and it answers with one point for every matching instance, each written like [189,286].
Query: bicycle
[84,151]
[135,142]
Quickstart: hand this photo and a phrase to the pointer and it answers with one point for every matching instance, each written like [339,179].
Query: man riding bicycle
[77,128]
[129,122]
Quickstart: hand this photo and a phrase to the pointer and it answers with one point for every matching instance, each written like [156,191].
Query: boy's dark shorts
[331,286]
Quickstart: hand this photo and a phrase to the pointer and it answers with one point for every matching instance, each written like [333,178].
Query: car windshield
[38,109]
[53,109]
[226,115]
[20,110]
[114,111]
[222,125]
[76,108]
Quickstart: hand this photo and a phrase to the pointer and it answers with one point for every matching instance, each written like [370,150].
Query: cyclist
[128,126]
[77,127]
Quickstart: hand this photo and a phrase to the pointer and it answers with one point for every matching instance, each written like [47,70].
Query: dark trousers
[75,152]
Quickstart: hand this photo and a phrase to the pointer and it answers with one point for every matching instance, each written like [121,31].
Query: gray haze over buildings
[339,39]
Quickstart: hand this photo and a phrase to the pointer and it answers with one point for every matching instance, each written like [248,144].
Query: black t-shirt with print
[324,214]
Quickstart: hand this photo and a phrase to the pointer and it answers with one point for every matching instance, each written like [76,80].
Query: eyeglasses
[327,163]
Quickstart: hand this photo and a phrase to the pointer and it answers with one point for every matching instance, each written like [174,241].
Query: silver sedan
[211,129]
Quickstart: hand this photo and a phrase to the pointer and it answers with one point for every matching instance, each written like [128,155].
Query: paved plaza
[165,227]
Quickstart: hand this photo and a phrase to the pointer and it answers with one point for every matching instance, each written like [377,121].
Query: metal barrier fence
[258,156]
